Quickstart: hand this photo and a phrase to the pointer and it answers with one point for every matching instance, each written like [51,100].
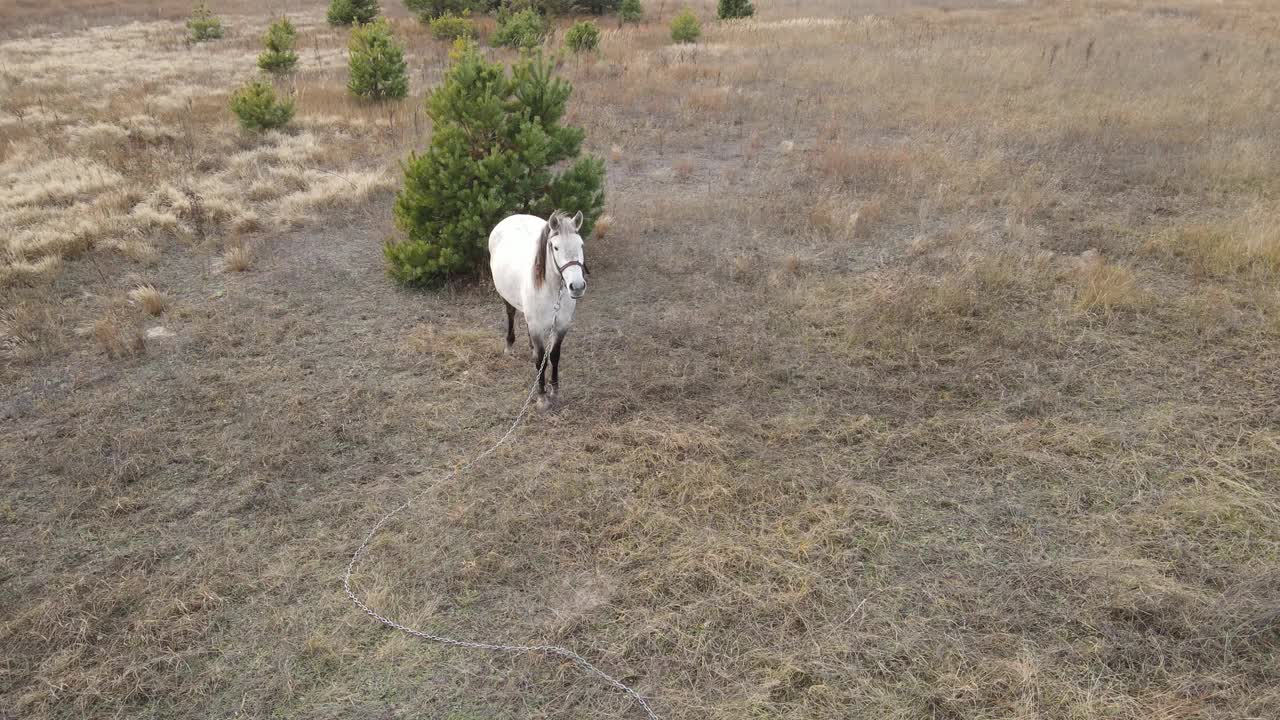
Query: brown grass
[710,100]
[683,168]
[28,273]
[1106,287]
[864,166]
[1248,244]
[956,401]
[27,333]
[151,300]
[117,337]
[603,225]
[238,258]
[869,213]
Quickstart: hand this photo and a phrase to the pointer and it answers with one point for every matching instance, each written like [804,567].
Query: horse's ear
[577,221]
[553,222]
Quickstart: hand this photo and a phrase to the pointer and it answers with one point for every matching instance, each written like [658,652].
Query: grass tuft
[117,337]
[1106,287]
[151,300]
[237,258]
[1246,245]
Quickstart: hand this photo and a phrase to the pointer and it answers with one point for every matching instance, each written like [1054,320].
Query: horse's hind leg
[511,327]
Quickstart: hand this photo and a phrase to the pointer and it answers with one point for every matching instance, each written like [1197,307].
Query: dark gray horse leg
[511,325]
[539,351]
[555,365]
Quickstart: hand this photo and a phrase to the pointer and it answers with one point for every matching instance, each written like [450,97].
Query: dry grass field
[929,369]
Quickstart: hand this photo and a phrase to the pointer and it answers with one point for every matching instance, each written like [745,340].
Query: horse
[533,263]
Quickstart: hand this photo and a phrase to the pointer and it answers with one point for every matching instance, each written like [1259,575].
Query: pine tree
[582,37]
[685,27]
[523,29]
[427,10]
[732,9]
[203,24]
[630,11]
[259,108]
[279,41]
[452,27]
[495,140]
[376,63]
[595,7]
[352,12]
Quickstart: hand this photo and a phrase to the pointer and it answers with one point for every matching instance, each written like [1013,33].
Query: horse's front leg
[539,354]
[555,367]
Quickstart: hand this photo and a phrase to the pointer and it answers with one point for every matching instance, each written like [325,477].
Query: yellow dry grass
[1105,286]
[151,300]
[238,258]
[1248,243]
[603,224]
[84,168]
[117,336]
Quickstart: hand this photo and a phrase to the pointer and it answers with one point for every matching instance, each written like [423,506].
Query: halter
[571,263]
[561,268]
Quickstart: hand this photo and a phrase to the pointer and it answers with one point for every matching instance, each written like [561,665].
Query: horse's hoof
[546,403]
[509,351]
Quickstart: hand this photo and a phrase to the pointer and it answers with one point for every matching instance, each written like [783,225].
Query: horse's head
[566,251]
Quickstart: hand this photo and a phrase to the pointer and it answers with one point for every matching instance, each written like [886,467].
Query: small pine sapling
[279,57]
[583,37]
[203,24]
[734,9]
[630,11]
[685,27]
[376,63]
[256,105]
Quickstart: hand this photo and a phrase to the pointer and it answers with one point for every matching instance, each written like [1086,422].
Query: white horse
[519,249]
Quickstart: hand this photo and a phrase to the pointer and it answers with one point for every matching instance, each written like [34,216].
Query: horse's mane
[540,260]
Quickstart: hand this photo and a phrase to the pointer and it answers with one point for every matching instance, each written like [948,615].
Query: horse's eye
[557,248]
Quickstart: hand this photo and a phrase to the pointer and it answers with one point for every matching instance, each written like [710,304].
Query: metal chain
[585,665]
